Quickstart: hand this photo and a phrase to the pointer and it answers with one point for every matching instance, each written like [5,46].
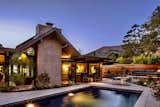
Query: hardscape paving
[145,100]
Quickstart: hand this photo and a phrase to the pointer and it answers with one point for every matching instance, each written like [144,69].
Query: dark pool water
[87,98]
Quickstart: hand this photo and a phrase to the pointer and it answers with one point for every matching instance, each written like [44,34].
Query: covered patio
[82,69]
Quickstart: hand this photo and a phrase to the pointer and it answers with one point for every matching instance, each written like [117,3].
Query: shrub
[121,60]
[141,82]
[18,79]
[156,92]
[42,81]
[145,59]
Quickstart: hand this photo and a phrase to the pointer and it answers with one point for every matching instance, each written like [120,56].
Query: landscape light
[70,94]
[30,105]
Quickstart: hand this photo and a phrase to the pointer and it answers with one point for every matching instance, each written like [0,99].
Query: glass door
[2,74]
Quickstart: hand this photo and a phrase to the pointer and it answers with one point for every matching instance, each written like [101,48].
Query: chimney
[49,24]
[40,29]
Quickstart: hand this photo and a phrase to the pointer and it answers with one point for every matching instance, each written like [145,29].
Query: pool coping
[17,97]
[57,92]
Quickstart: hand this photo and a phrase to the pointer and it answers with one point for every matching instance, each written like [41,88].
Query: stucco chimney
[40,29]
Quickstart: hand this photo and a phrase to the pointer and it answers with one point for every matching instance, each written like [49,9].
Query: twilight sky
[87,24]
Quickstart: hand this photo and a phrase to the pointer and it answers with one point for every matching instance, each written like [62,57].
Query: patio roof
[5,50]
[85,58]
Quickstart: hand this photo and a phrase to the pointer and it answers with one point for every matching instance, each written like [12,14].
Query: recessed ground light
[71,94]
[30,105]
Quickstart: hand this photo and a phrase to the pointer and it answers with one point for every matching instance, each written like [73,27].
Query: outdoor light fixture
[30,105]
[22,57]
[66,56]
[70,94]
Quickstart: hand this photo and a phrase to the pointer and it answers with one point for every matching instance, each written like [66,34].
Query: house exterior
[50,52]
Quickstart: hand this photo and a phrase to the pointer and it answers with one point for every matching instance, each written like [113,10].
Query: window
[30,52]
[10,69]
[2,58]
[81,68]
[1,68]
[94,68]
[15,69]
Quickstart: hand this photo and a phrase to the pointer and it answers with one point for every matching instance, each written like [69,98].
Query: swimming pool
[90,97]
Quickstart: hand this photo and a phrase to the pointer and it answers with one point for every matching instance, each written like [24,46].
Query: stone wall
[49,59]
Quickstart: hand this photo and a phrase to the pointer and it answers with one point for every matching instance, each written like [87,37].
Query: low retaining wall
[130,67]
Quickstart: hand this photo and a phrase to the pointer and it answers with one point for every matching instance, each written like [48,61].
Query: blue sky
[87,24]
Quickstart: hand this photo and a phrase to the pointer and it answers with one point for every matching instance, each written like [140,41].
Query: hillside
[104,51]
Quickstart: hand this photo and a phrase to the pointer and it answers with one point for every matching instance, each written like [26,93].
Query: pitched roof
[33,40]
[86,58]
[4,50]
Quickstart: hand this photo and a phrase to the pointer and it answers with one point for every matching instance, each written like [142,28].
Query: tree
[152,38]
[143,38]
[132,41]
[153,24]
[19,59]
[1,46]
[146,59]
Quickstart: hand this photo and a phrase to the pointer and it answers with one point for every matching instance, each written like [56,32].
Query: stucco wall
[48,59]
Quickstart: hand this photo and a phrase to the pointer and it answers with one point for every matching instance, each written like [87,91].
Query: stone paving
[145,99]
[13,97]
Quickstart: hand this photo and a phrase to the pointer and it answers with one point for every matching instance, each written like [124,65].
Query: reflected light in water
[84,100]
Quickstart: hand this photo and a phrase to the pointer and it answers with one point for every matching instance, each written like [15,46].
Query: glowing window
[66,68]
[81,68]
[30,52]
[15,68]
[1,68]
[2,58]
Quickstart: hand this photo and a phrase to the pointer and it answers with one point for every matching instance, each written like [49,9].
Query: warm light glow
[24,70]
[30,105]
[3,77]
[66,67]
[93,70]
[80,68]
[23,57]
[66,56]
[70,94]
[2,58]
[84,99]
[1,68]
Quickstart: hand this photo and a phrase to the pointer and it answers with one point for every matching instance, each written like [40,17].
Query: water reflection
[88,98]
[80,100]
